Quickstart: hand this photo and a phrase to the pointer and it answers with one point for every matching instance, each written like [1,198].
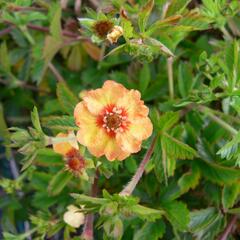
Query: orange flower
[113,121]
[75,163]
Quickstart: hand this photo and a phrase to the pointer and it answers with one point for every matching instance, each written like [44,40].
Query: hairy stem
[228,229]
[88,226]
[137,176]
[170,77]
[218,120]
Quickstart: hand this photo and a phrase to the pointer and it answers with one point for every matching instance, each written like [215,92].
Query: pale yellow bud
[73,216]
[115,34]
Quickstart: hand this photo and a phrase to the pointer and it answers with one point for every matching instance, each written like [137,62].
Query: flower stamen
[113,119]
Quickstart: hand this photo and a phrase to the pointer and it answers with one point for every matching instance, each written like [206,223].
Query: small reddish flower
[102,28]
[113,121]
[75,163]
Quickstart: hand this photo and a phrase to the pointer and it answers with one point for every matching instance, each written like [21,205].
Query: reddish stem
[137,176]
[228,229]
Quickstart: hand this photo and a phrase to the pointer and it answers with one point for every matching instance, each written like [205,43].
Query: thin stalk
[56,72]
[218,120]
[170,77]
[137,176]
[88,225]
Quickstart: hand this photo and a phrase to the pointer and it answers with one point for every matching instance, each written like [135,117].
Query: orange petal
[97,99]
[114,152]
[98,144]
[82,115]
[133,104]
[141,128]
[63,147]
[128,143]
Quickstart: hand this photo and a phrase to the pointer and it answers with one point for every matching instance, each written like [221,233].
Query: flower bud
[73,216]
[115,34]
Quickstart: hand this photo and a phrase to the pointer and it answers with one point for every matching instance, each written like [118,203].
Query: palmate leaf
[66,98]
[167,121]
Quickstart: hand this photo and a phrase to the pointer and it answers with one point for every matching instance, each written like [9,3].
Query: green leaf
[144,77]
[189,180]
[90,202]
[66,98]
[232,64]
[200,219]
[177,213]
[217,173]
[167,121]
[144,15]
[35,120]
[230,194]
[146,213]
[177,149]
[185,79]
[59,181]
[150,230]
[51,47]
[4,57]
[60,123]
[177,6]
[234,211]
[55,25]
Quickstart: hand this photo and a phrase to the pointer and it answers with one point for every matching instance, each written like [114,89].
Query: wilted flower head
[73,216]
[102,28]
[113,121]
[115,34]
[75,163]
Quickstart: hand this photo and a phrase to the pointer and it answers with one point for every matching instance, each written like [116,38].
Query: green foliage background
[183,56]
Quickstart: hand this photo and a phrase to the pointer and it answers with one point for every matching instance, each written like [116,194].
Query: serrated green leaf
[177,213]
[35,120]
[146,213]
[177,149]
[200,219]
[189,180]
[60,123]
[167,120]
[66,98]
[58,182]
[150,230]
[217,173]
[230,194]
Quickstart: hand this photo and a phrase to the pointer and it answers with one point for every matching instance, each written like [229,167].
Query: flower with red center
[75,163]
[113,121]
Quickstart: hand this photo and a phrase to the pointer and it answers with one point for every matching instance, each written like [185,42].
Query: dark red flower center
[113,119]
[75,162]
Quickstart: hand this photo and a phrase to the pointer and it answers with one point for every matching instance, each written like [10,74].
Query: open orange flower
[75,163]
[113,121]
